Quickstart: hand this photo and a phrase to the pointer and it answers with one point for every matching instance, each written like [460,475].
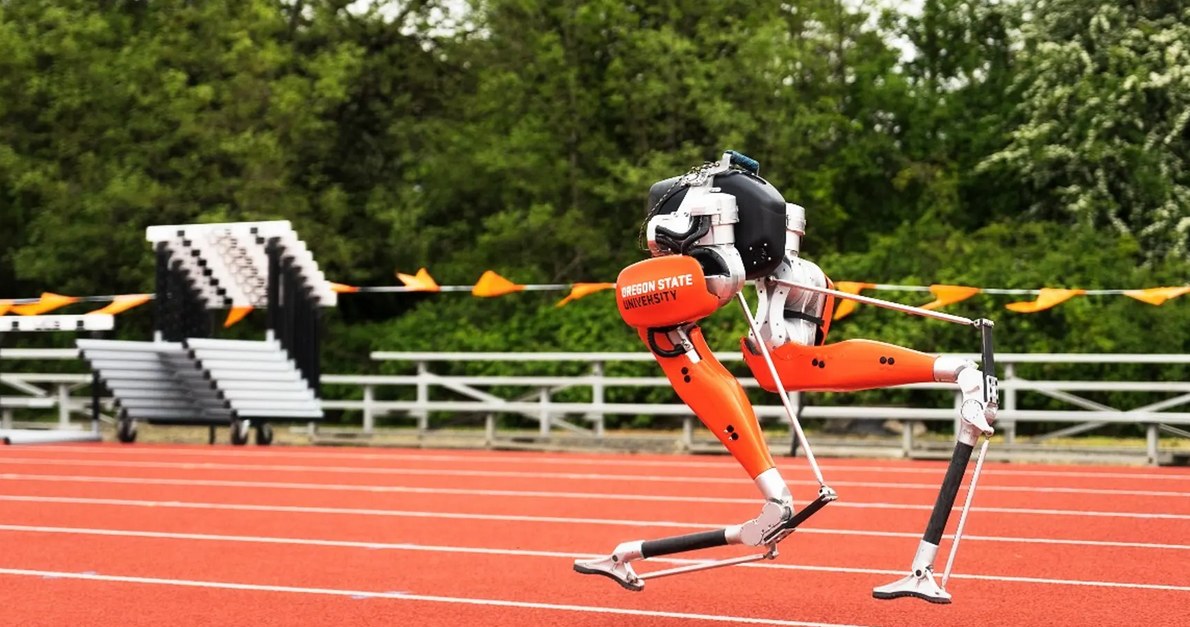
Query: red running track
[176,535]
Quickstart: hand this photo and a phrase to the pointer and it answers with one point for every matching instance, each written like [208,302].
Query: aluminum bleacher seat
[202,382]
[256,379]
[154,382]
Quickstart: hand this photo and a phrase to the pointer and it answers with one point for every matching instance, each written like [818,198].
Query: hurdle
[96,323]
[186,377]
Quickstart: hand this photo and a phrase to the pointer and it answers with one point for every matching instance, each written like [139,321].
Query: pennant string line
[548,287]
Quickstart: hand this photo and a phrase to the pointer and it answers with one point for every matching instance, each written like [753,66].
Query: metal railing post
[597,391]
[687,433]
[369,415]
[1010,403]
[906,438]
[423,398]
[63,405]
[545,411]
[1151,444]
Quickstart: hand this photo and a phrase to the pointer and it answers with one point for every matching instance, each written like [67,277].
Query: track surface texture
[105,534]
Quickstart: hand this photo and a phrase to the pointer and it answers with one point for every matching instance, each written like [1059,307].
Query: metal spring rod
[909,309]
[958,533]
[768,360]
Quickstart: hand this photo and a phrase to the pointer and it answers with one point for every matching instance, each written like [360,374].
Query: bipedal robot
[709,231]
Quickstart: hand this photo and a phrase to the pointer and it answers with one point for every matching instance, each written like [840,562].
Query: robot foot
[616,566]
[919,584]
[610,567]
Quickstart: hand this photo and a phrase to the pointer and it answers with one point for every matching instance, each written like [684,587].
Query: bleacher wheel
[239,432]
[264,434]
[126,431]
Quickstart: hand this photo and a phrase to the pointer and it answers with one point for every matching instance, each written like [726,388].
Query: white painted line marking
[616,460]
[424,514]
[402,596]
[907,486]
[447,472]
[242,485]
[369,470]
[549,554]
[524,494]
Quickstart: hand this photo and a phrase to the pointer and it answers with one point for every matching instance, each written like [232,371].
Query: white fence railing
[431,394]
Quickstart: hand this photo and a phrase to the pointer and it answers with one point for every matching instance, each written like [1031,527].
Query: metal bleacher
[155,381]
[93,322]
[201,382]
[255,379]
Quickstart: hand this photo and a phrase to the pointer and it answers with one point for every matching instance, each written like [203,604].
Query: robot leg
[719,401]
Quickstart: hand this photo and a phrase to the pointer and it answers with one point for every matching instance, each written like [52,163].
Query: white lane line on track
[508,474]
[401,596]
[841,532]
[616,460]
[922,486]
[243,485]
[897,506]
[348,511]
[549,554]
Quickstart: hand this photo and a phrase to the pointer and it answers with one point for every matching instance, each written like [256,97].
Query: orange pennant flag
[491,284]
[47,303]
[579,290]
[843,308]
[1158,295]
[949,294]
[235,315]
[420,282]
[339,288]
[4,306]
[1046,298]
[123,303]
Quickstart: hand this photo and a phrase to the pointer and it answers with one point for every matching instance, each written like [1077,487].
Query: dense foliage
[1008,144]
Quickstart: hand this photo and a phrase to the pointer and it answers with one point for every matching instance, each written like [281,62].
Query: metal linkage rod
[677,570]
[886,304]
[768,360]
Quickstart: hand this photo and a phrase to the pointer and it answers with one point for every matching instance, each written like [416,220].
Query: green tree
[120,115]
[396,75]
[579,106]
[959,63]
[127,114]
[1104,104]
